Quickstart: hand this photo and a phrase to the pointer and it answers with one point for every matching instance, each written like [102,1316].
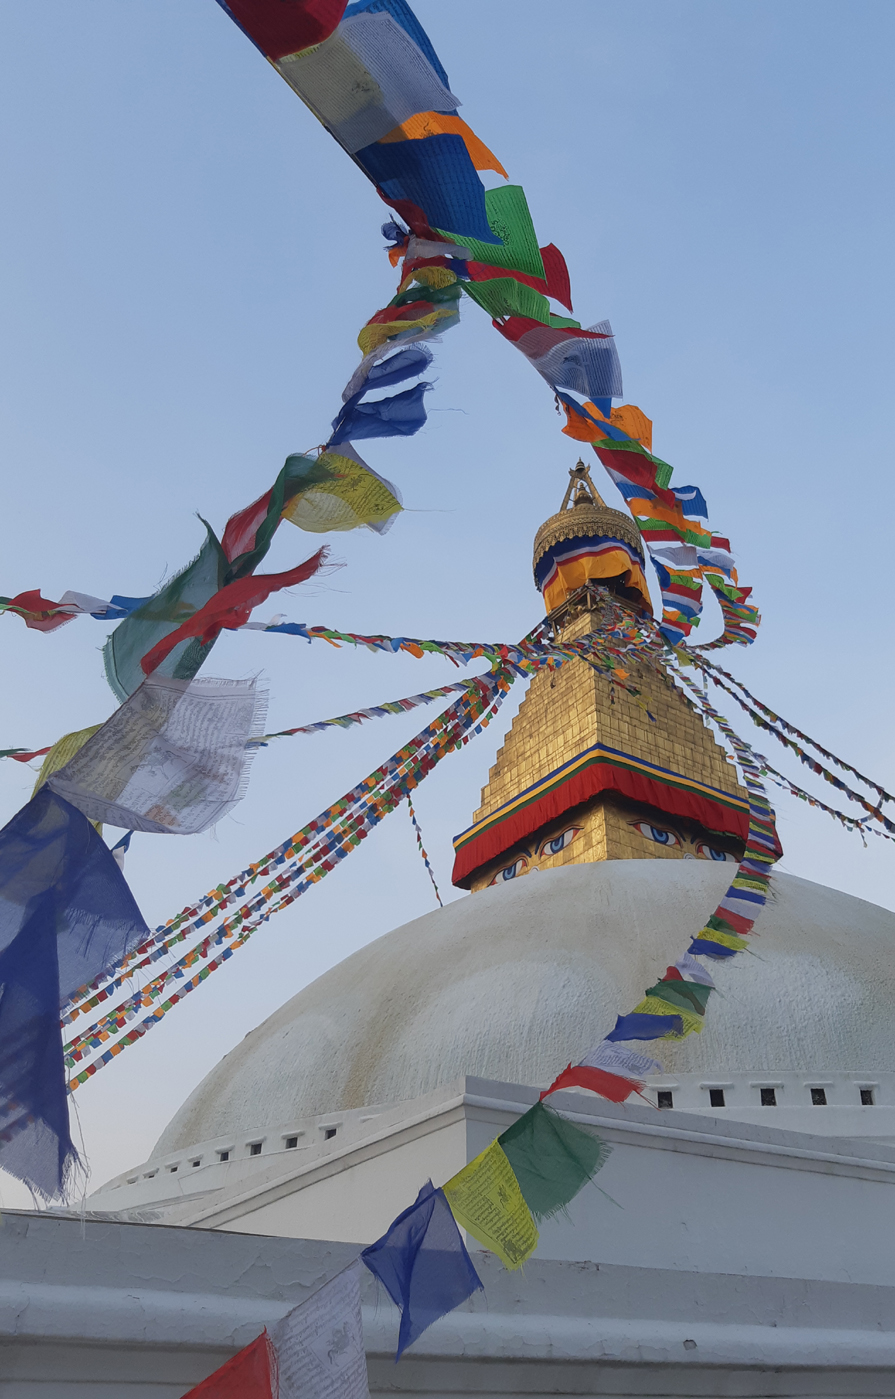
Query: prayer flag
[250,1374]
[172,760]
[551,1158]
[319,1346]
[423,1264]
[608,1084]
[485,1198]
[278,29]
[401,415]
[66,917]
[249,532]
[638,1026]
[435,175]
[353,495]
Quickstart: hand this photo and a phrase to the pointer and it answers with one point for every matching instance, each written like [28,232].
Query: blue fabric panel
[66,916]
[692,501]
[399,416]
[121,606]
[703,948]
[437,175]
[402,14]
[561,550]
[645,1027]
[423,1264]
[404,365]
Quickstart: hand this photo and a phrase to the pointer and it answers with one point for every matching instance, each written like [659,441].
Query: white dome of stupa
[514,982]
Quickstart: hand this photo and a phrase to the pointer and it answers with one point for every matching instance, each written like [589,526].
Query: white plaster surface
[115,1311]
[512,983]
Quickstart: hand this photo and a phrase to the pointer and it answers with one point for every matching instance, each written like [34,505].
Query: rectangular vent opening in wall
[866,1097]
[665,1098]
[768,1097]
[716,1097]
[329,1133]
[254,1148]
[819,1097]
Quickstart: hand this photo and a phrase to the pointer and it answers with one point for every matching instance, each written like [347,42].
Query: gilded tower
[588,770]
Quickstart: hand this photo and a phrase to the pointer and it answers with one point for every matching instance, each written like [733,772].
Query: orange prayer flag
[635,423]
[442,123]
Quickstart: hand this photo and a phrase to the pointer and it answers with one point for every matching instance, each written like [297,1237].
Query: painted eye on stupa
[557,843]
[510,872]
[657,833]
[711,852]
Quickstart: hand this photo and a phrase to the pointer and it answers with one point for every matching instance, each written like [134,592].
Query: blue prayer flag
[404,365]
[638,1026]
[436,174]
[423,1264]
[401,415]
[66,916]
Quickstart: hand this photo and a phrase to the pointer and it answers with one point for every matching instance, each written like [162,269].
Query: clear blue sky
[185,260]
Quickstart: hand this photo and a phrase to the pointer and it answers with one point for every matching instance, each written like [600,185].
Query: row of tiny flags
[527,1174]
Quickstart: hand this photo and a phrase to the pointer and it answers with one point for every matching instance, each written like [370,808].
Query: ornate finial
[581,489]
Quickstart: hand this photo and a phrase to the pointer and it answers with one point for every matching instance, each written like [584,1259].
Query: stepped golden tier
[590,771]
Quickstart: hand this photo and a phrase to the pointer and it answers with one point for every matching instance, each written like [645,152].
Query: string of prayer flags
[40,614]
[292,868]
[23,755]
[551,1158]
[172,760]
[423,1264]
[229,607]
[66,918]
[486,1200]
[357,716]
[422,850]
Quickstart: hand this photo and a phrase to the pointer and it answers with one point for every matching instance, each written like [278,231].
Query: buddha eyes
[711,852]
[557,843]
[657,833]
[510,872]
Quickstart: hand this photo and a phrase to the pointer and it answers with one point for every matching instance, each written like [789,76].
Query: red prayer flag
[29,607]
[247,1375]
[611,1086]
[280,29]
[230,608]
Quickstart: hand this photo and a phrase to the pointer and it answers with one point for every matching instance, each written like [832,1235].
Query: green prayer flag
[508,217]
[504,296]
[690,995]
[551,1158]
[165,612]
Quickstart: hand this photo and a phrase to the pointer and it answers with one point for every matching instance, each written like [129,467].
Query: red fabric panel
[413,216]
[599,777]
[247,1375]
[410,311]
[26,757]
[611,1086]
[672,974]
[230,608]
[514,327]
[483,272]
[239,536]
[279,28]
[33,602]
[558,284]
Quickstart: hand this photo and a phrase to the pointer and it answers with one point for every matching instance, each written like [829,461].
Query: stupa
[624,804]
[732,1242]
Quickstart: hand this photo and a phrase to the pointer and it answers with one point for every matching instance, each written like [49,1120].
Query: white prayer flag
[320,1345]
[172,760]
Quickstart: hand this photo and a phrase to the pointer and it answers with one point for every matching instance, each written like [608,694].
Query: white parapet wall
[104,1310]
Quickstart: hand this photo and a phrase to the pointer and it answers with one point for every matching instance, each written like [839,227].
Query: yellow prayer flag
[485,1198]
[354,496]
[62,752]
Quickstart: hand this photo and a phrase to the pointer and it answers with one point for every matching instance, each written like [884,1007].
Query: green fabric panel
[135,635]
[299,474]
[690,995]
[509,218]
[504,296]
[564,323]
[663,470]
[437,296]
[551,1158]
